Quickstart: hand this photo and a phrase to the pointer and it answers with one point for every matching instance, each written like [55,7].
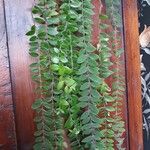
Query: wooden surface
[96,22]
[7,127]
[133,74]
[18,21]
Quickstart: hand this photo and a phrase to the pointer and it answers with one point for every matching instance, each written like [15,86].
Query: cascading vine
[118,88]
[106,108]
[73,97]
[44,46]
[118,85]
[89,81]
[68,45]
[53,72]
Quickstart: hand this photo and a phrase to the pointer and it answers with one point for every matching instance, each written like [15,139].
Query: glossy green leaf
[33,54]
[52,31]
[55,60]
[39,20]
[60,85]
[32,31]
[38,103]
[53,21]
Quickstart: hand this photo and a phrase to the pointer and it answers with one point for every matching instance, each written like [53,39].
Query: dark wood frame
[18,21]
[133,80]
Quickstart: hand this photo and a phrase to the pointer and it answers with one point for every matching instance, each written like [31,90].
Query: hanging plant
[71,78]
[44,47]
[118,85]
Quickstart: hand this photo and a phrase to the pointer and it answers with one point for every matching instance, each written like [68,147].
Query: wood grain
[133,74]
[18,21]
[7,126]
[96,22]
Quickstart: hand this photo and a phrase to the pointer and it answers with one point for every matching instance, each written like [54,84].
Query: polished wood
[7,126]
[96,21]
[18,21]
[132,55]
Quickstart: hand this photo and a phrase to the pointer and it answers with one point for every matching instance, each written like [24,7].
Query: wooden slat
[18,21]
[96,22]
[133,74]
[7,126]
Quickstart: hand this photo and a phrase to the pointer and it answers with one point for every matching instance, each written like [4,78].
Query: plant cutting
[73,97]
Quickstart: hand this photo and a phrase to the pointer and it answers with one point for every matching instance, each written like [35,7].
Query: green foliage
[114,12]
[104,89]
[45,73]
[118,85]
[89,82]
[71,78]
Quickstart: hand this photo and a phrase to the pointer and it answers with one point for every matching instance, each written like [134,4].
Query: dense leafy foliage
[71,74]
[118,85]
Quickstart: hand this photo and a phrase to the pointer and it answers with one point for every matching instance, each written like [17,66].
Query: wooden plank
[133,73]
[18,21]
[96,22]
[7,126]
